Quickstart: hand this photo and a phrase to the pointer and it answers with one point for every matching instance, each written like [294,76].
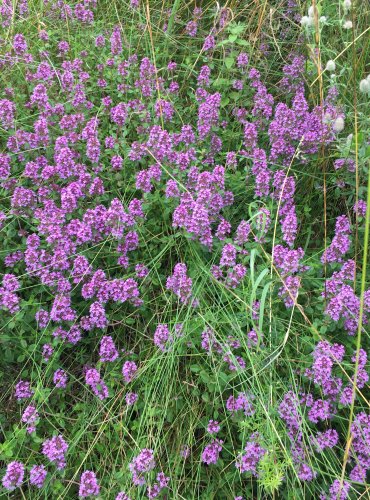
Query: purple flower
[340,243]
[92,378]
[289,290]
[119,114]
[115,41]
[38,475]
[249,460]
[141,271]
[179,283]
[129,370]
[47,352]
[345,162]
[60,379]
[29,417]
[107,351]
[203,76]
[242,60]
[223,229]
[43,35]
[99,41]
[162,336]
[185,451]
[88,485]
[14,475]
[97,315]
[228,257]
[164,109]
[238,84]
[144,462]
[211,452]
[360,208]
[305,473]
[131,398]
[23,390]
[336,487]
[122,496]
[7,112]
[241,402]
[209,43]
[19,44]
[192,28]
[4,166]
[116,162]
[55,450]
[346,396]
[213,427]
[326,439]
[63,47]
[208,114]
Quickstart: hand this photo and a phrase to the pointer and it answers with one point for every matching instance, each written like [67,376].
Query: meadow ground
[184,294]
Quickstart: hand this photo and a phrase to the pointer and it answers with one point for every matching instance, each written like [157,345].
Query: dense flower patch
[141,197]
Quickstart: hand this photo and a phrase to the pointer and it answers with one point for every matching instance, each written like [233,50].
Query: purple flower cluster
[97,385]
[30,417]
[208,114]
[140,465]
[201,205]
[179,283]
[288,266]
[154,489]
[162,336]
[341,241]
[47,352]
[298,127]
[129,370]
[60,379]
[14,475]
[213,427]
[38,475]
[131,398]
[23,390]
[360,449]
[107,350]
[326,439]
[342,302]
[88,485]
[122,496]
[211,452]
[248,461]
[290,413]
[243,402]
[213,346]
[55,450]
[9,300]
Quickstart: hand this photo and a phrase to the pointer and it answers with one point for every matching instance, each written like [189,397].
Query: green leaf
[229,62]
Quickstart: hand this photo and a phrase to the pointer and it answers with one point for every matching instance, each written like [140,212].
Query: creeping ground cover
[184,275]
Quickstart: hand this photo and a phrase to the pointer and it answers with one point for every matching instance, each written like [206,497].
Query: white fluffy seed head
[330,66]
[365,86]
[311,11]
[323,19]
[338,124]
[347,25]
[347,4]
[304,21]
